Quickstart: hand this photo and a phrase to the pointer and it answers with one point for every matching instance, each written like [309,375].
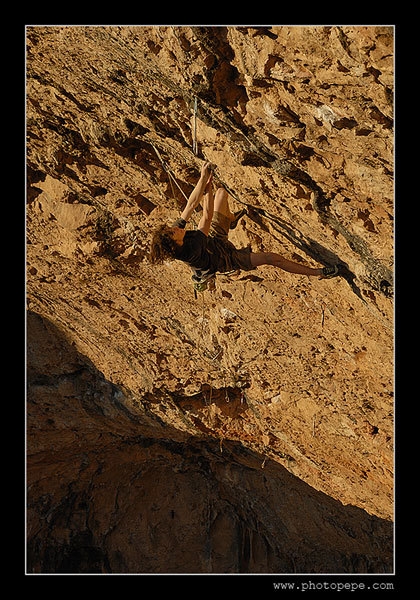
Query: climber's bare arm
[198,192]
[208,208]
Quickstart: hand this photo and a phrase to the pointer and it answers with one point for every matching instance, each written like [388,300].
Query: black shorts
[233,258]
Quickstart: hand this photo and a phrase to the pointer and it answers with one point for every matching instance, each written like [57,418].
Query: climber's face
[178,235]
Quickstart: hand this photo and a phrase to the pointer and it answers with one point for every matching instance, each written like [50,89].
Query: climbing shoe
[329,272]
[236,216]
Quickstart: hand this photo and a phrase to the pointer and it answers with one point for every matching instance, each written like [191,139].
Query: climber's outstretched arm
[198,192]
[208,209]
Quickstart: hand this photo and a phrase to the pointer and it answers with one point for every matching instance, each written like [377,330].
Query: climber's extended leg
[221,203]
[221,206]
[275,260]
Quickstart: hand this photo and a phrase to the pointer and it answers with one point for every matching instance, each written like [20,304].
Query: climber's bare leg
[275,260]
[221,203]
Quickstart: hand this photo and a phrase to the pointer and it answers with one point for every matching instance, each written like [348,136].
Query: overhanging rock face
[250,429]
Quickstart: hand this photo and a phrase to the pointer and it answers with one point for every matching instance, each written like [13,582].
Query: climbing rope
[167,169]
[165,165]
[195,145]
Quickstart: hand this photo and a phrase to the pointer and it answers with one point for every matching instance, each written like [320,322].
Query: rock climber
[207,249]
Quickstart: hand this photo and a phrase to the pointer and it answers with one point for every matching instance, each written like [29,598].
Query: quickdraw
[202,286]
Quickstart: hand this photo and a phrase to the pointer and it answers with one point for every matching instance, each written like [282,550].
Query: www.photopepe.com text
[331,586]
